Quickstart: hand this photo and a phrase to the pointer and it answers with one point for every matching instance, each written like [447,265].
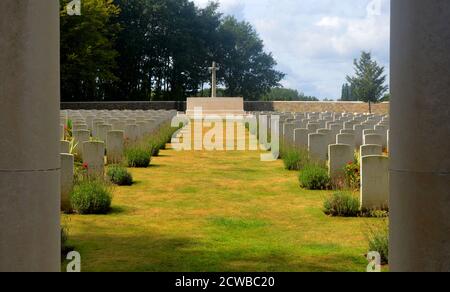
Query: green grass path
[217,211]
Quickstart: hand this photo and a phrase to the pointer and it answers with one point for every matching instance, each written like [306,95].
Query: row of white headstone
[334,137]
[95,133]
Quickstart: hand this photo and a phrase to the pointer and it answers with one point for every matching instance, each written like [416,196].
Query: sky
[315,41]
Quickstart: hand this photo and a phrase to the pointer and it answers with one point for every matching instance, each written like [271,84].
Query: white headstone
[131,133]
[339,156]
[79,137]
[318,146]
[301,138]
[369,150]
[114,146]
[373,139]
[65,147]
[67,172]
[374,182]
[94,157]
[348,139]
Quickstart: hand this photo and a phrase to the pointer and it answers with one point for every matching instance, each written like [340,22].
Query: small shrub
[162,141]
[379,241]
[65,247]
[314,177]
[158,140]
[375,213]
[154,148]
[379,213]
[353,175]
[64,239]
[68,129]
[91,196]
[295,159]
[119,175]
[341,205]
[138,156]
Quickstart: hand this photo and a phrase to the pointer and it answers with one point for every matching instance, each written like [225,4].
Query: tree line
[146,50]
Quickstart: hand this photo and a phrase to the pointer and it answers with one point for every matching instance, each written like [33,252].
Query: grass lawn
[218,211]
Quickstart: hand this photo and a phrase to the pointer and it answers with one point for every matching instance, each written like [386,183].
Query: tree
[247,70]
[286,94]
[386,97]
[347,93]
[369,81]
[165,48]
[87,53]
[159,50]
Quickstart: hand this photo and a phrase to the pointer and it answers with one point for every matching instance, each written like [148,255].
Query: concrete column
[30,136]
[420,131]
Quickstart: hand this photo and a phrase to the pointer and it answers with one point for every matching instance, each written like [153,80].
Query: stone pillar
[419,140]
[30,135]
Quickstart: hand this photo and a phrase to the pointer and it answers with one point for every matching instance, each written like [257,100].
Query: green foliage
[138,156]
[368,84]
[91,196]
[68,129]
[376,213]
[65,248]
[158,140]
[386,97]
[207,92]
[352,175]
[88,56]
[295,159]
[119,175]
[342,205]
[378,239]
[159,50]
[314,177]
[155,147]
[347,93]
[247,70]
[286,94]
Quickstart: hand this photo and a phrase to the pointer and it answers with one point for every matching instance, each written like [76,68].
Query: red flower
[85,166]
[65,127]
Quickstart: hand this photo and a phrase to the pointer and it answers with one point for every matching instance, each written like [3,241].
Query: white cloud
[315,41]
[329,22]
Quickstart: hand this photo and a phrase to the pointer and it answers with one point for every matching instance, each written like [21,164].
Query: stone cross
[213,71]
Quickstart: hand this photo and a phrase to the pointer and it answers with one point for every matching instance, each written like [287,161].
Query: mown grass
[218,211]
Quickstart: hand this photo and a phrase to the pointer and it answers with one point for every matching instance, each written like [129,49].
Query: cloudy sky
[315,41]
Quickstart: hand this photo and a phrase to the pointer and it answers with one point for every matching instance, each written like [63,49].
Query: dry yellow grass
[218,211]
